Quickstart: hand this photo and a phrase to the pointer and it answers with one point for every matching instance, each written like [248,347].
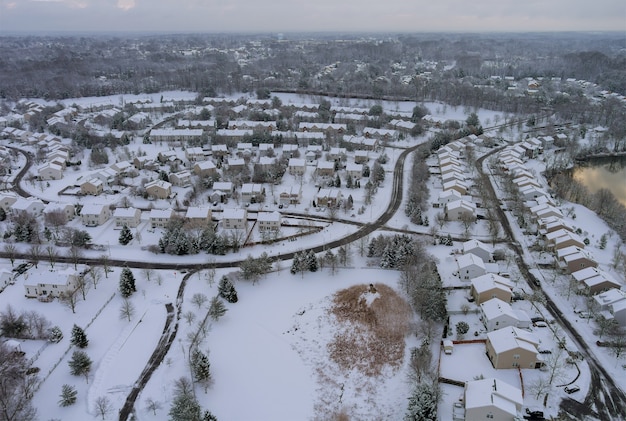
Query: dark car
[537,319]
[571,389]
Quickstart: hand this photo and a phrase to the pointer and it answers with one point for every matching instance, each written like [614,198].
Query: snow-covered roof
[489,281]
[509,338]
[493,392]
[466,260]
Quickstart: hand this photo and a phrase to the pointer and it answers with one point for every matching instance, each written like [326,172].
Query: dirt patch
[373,322]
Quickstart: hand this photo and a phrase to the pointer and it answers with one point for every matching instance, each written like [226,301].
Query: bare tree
[189,317]
[148,274]
[35,254]
[467,219]
[211,272]
[104,259]
[332,212]
[11,251]
[52,254]
[75,254]
[103,406]
[199,299]
[95,274]
[127,309]
[83,286]
[16,389]
[69,299]
[55,219]
[152,405]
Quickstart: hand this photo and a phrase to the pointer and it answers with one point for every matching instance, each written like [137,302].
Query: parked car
[537,319]
[571,389]
[540,324]
[585,315]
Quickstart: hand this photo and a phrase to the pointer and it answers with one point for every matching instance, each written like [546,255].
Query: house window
[516,357]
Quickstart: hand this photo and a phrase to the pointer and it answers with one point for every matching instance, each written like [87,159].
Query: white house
[159,218]
[269,221]
[181,178]
[478,248]
[45,283]
[31,206]
[296,166]
[200,215]
[131,217]
[456,210]
[234,218]
[470,266]
[613,305]
[497,314]
[93,215]
[50,171]
[492,399]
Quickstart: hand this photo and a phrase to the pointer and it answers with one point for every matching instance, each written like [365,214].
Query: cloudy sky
[32,16]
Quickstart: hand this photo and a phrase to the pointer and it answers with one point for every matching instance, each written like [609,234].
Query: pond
[604,173]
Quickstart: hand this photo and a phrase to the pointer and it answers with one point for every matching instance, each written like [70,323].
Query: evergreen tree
[127,283]
[3,214]
[337,181]
[217,308]
[185,408]
[296,263]
[227,291]
[200,366]
[79,337]
[311,261]
[55,335]
[349,182]
[208,416]
[422,404]
[80,364]
[68,395]
[126,236]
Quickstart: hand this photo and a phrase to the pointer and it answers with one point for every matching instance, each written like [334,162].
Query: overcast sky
[33,16]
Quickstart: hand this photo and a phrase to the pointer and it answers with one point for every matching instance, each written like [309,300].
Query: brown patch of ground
[371,330]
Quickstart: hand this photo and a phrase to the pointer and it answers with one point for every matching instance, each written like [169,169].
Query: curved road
[605,400]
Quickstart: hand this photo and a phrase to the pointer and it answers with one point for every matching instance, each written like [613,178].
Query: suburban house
[236,164]
[195,154]
[361,157]
[290,195]
[159,218]
[234,218]
[613,305]
[455,211]
[478,248]
[328,197]
[93,187]
[573,258]
[511,347]
[219,151]
[446,197]
[180,178]
[176,135]
[159,189]
[594,281]
[497,314]
[131,217]
[92,215]
[6,277]
[491,399]
[486,287]
[205,168]
[198,215]
[50,171]
[225,188]
[7,199]
[552,224]
[470,266]
[354,170]
[296,166]
[252,193]
[562,238]
[325,168]
[45,284]
[31,206]
[457,185]
[269,221]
